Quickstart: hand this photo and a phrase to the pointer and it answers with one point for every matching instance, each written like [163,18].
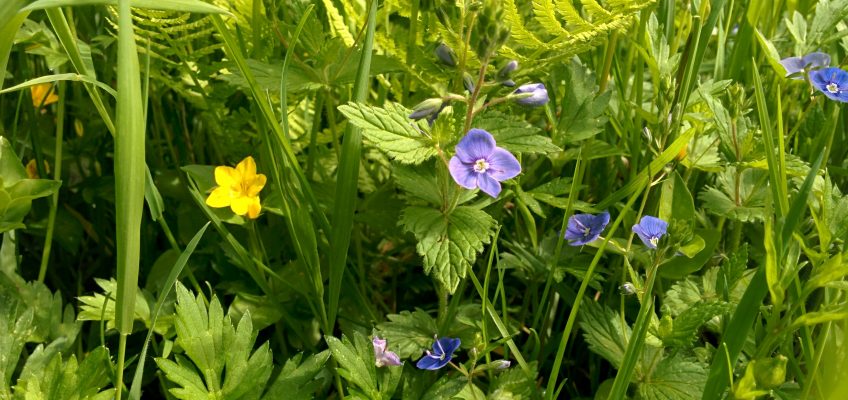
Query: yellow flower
[43,92]
[238,188]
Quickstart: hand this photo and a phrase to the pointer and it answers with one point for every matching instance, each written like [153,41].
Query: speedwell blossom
[238,188]
[479,163]
[794,65]
[585,228]
[441,355]
[538,97]
[383,357]
[650,230]
[43,94]
[833,82]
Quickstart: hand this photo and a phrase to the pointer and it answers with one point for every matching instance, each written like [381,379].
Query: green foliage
[49,377]
[356,365]
[391,130]
[219,360]
[17,191]
[448,240]
[515,134]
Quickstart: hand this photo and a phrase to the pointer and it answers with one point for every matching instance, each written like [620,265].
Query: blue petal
[431,363]
[475,145]
[645,238]
[488,185]
[816,60]
[503,165]
[539,97]
[449,345]
[653,226]
[792,65]
[462,173]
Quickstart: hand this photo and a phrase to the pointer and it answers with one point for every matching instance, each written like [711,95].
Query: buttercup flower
[238,188]
[43,94]
[538,97]
[479,163]
[382,357]
[833,82]
[650,230]
[585,228]
[442,353]
[793,65]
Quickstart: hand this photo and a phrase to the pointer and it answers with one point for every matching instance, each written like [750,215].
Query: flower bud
[531,94]
[426,108]
[506,70]
[508,83]
[490,31]
[627,289]
[446,55]
[501,364]
[468,82]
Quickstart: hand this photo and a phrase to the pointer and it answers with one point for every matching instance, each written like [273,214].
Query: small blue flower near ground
[585,228]
[794,65]
[480,163]
[833,82]
[650,230]
[442,353]
[383,357]
[539,95]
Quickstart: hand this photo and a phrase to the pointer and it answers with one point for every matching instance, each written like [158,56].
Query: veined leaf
[391,130]
[448,242]
[674,378]
[515,134]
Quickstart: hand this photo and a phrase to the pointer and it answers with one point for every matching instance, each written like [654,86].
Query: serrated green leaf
[686,324]
[449,242]
[408,333]
[515,134]
[390,129]
[739,196]
[582,109]
[352,367]
[674,378]
[604,331]
[297,379]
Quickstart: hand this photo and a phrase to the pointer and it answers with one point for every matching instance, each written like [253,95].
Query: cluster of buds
[489,32]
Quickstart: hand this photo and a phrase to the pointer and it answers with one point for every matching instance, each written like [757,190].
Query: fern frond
[575,22]
[546,16]
[593,8]
[337,22]
[517,28]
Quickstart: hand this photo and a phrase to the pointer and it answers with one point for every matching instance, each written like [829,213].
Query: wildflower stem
[469,113]
[57,175]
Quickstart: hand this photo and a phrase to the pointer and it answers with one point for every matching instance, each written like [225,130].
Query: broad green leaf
[11,168]
[515,134]
[703,245]
[675,201]
[674,378]
[686,325]
[605,332]
[515,383]
[390,129]
[739,195]
[408,333]
[582,108]
[449,242]
[831,270]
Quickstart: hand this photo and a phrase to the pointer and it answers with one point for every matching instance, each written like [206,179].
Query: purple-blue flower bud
[468,82]
[446,55]
[426,108]
[531,94]
[507,70]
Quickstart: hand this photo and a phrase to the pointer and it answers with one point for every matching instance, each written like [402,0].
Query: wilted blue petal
[477,144]
[503,165]
[488,184]
[539,94]
[792,65]
[382,357]
[816,60]
[462,173]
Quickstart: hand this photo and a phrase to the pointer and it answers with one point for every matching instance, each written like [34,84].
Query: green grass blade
[61,77]
[193,6]
[129,181]
[10,23]
[778,188]
[176,270]
[347,175]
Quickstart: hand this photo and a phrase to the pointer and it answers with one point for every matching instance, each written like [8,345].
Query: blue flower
[479,163]
[585,228]
[538,97]
[833,82]
[794,65]
[382,357]
[442,353]
[650,230]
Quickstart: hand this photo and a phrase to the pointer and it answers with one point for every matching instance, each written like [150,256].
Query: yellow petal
[42,94]
[257,185]
[239,205]
[220,197]
[254,208]
[226,176]
[247,167]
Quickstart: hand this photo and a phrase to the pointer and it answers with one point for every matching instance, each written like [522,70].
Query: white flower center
[654,240]
[832,88]
[481,166]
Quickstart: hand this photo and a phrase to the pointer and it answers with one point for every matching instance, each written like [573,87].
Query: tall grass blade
[129,181]
[347,176]
[176,270]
